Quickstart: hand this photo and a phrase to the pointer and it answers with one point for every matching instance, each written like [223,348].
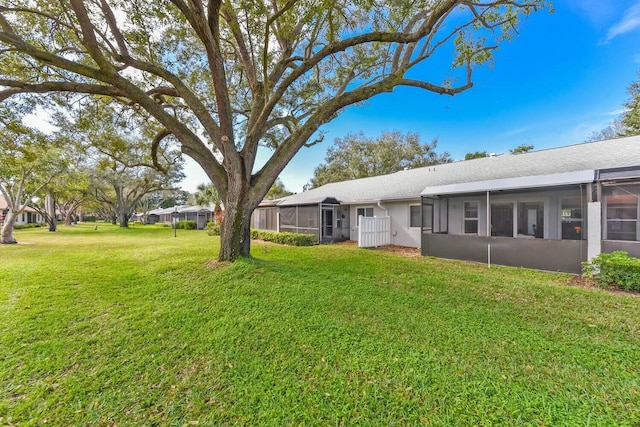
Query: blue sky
[562,78]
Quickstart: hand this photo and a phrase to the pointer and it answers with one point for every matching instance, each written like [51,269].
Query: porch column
[594,229]
[488,233]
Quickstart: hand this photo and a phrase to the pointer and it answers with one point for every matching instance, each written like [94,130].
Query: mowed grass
[136,327]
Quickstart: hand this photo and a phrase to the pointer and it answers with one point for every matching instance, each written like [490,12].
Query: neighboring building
[200,214]
[331,212]
[547,209]
[28,216]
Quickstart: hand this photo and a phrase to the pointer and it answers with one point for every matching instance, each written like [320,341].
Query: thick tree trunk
[50,209]
[68,218]
[6,236]
[52,223]
[235,231]
[122,208]
[235,235]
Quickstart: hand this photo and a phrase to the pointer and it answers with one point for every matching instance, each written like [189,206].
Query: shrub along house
[549,209]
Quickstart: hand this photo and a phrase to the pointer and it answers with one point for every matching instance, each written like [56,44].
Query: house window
[366,212]
[531,219]
[622,217]
[502,220]
[471,217]
[415,215]
[572,218]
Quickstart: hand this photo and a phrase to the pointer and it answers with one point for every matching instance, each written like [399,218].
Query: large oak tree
[226,76]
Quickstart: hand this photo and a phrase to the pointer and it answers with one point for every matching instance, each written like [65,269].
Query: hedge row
[186,225]
[616,268]
[29,225]
[285,238]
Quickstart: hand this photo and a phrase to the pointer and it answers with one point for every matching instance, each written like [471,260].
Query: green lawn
[134,327]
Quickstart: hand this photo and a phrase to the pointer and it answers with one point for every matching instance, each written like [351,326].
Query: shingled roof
[409,184]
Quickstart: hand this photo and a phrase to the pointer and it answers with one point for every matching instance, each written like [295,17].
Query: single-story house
[200,214]
[547,209]
[331,212]
[28,216]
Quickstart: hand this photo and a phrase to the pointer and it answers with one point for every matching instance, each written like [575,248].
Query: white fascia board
[521,182]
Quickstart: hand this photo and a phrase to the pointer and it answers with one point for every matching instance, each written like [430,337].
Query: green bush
[616,268]
[212,229]
[30,225]
[186,225]
[162,224]
[291,239]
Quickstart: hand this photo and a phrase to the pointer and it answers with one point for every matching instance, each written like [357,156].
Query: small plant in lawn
[212,229]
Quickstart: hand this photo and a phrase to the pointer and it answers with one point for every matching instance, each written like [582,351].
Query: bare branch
[111,21]
[154,149]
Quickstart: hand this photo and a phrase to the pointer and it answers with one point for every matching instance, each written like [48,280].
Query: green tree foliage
[631,117]
[356,156]
[225,77]
[475,155]
[29,161]
[629,122]
[174,197]
[207,194]
[277,190]
[123,169]
[522,148]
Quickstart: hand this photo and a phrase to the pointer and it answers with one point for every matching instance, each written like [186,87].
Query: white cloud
[630,21]
[40,120]
[617,112]
[518,131]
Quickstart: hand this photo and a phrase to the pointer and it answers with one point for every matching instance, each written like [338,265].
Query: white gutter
[386,211]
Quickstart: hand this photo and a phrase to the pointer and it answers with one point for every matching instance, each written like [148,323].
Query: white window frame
[364,208]
[419,219]
[606,220]
[465,219]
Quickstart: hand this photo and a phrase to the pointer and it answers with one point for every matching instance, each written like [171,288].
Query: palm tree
[208,194]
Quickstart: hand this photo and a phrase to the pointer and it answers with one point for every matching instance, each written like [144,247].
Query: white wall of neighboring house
[353,214]
[402,234]
[23,218]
